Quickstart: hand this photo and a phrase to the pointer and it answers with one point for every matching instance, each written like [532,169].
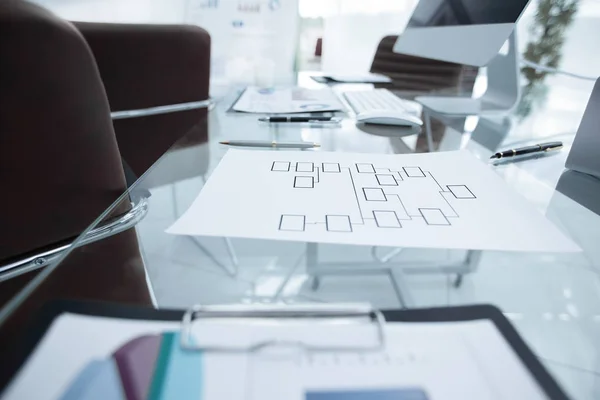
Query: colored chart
[148,367]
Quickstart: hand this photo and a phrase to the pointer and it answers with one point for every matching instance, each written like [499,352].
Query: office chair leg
[397,279]
[232,253]
[232,272]
[315,283]
[457,282]
[387,257]
[428,133]
[279,295]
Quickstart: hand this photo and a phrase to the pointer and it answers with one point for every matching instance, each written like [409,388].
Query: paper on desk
[445,200]
[425,361]
[287,100]
[360,78]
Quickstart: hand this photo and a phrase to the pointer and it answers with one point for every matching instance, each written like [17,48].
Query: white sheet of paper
[438,200]
[360,78]
[287,100]
[449,360]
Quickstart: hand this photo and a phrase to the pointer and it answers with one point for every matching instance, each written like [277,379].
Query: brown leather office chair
[319,47]
[144,66]
[60,163]
[60,160]
[59,83]
[419,74]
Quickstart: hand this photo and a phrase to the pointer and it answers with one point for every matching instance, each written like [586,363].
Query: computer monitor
[467,32]
[583,156]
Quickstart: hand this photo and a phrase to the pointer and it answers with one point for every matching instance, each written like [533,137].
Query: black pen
[537,148]
[299,119]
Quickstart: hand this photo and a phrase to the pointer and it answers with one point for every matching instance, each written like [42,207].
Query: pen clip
[553,148]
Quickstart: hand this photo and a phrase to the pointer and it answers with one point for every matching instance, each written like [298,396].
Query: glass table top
[552,299]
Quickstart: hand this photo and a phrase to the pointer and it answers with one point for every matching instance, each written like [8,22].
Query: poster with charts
[446,200]
[247,29]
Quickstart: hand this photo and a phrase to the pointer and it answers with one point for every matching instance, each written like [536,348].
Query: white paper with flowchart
[446,200]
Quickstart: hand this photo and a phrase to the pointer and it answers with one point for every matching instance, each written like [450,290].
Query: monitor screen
[430,13]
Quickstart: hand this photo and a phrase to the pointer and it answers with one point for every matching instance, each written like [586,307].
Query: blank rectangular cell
[386,219]
[386,180]
[305,167]
[414,172]
[461,191]
[292,223]
[365,168]
[305,182]
[338,223]
[374,194]
[280,166]
[331,167]
[434,216]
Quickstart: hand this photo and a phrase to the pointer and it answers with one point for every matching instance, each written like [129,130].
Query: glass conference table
[552,299]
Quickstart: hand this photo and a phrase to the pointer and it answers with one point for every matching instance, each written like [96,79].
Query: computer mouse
[389,117]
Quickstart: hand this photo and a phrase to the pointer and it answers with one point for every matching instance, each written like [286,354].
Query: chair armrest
[150,65]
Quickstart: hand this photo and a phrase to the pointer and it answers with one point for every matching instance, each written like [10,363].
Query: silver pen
[267,143]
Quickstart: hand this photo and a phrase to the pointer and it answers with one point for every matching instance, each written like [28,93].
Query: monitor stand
[502,94]
[585,151]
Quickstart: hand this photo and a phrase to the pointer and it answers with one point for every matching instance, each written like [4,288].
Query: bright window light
[326,8]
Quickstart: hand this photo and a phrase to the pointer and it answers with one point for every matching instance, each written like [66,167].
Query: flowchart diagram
[447,200]
[379,197]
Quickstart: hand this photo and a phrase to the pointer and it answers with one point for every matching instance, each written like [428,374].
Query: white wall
[254,41]
[132,11]
[245,42]
[350,40]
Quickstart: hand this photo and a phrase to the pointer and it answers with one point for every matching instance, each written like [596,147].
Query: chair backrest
[319,47]
[149,65]
[420,74]
[60,166]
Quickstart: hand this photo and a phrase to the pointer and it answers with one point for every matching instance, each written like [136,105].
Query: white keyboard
[380,99]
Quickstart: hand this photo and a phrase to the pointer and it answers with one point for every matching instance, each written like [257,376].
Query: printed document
[287,100]
[446,200]
[88,357]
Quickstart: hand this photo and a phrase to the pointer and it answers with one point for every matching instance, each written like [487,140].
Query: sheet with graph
[438,200]
[100,357]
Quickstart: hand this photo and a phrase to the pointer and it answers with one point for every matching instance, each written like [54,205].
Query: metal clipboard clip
[320,312]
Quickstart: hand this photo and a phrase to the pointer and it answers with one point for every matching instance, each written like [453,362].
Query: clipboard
[377,318]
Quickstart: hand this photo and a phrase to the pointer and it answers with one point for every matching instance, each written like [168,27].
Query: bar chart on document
[443,200]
